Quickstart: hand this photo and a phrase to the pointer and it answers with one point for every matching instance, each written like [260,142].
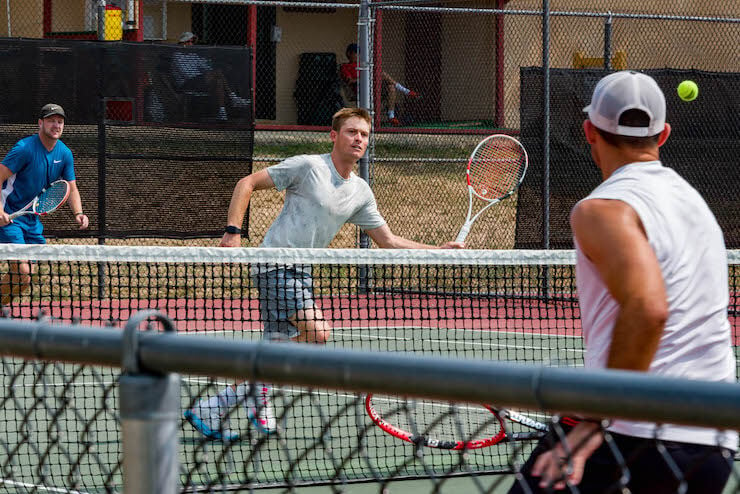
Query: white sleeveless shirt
[689,246]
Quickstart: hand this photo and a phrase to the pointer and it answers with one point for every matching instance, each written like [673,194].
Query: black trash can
[317,92]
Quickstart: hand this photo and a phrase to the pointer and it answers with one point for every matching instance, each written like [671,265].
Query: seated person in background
[349,73]
[192,72]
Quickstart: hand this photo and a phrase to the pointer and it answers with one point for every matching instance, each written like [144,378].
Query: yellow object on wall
[113,23]
[581,61]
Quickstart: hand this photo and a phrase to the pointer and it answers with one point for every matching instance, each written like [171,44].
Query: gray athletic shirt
[318,201]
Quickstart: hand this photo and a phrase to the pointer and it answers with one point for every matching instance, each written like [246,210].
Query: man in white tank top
[652,283]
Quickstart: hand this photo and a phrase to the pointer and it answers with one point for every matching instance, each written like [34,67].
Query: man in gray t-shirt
[318,202]
[322,194]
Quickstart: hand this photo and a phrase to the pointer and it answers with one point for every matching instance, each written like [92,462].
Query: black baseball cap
[50,109]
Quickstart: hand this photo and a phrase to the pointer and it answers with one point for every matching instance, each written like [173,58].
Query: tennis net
[503,305]
[516,306]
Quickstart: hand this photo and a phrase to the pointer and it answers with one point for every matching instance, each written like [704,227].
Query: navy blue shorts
[282,293]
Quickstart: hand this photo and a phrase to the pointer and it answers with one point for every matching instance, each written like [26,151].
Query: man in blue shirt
[30,166]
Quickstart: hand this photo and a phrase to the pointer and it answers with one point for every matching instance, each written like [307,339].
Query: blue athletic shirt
[34,168]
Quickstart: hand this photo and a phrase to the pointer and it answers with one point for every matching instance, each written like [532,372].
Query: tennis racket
[450,426]
[495,170]
[48,201]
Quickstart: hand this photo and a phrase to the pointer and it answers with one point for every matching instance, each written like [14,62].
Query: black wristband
[232,229]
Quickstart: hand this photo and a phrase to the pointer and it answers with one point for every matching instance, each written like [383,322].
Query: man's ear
[664,135]
[589,131]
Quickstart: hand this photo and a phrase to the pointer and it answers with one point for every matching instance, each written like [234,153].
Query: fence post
[150,413]
[101,20]
[608,42]
[363,38]
[545,283]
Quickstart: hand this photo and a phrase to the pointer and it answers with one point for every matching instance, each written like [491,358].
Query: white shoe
[260,410]
[210,422]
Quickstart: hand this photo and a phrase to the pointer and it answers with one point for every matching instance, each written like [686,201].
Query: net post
[150,410]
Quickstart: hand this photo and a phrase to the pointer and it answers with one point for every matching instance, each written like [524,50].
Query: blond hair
[345,114]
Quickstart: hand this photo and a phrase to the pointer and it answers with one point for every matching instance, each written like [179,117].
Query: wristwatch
[233,229]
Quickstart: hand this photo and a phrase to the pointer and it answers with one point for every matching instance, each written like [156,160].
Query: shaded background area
[151,160]
[703,148]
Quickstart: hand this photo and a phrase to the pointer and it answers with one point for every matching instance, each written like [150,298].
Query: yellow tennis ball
[688,90]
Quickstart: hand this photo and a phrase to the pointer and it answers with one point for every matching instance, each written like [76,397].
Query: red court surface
[373,311]
[557,318]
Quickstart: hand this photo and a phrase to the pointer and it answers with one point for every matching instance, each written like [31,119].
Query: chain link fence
[80,426]
[442,76]
[478,70]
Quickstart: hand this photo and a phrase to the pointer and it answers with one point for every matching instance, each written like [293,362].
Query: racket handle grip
[463,233]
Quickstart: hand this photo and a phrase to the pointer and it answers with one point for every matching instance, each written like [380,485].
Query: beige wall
[68,16]
[178,20]
[303,33]
[25,18]
[468,78]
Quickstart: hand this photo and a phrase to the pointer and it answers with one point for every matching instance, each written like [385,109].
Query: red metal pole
[46,18]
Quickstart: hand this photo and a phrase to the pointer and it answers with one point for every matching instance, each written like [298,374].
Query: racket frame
[462,235]
[501,436]
[32,207]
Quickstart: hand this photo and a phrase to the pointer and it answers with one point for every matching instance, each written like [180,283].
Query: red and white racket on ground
[450,426]
[495,170]
[48,201]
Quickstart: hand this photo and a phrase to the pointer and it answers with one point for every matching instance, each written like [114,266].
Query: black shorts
[705,468]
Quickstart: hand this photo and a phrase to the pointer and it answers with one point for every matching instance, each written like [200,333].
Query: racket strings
[52,197]
[497,168]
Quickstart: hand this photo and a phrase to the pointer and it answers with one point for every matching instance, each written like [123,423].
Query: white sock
[403,89]
[391,114]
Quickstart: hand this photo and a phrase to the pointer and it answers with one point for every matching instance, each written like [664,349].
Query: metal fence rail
[149,391]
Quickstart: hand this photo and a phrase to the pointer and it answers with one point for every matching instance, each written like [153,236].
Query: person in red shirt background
[349,73]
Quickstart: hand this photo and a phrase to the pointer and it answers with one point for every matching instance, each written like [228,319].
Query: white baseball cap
[622,91]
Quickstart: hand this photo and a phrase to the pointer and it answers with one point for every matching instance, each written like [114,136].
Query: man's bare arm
[240,200]
[611,235]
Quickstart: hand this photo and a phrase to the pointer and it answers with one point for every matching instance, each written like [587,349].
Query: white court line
[39,487]
[343,331]
[369,336]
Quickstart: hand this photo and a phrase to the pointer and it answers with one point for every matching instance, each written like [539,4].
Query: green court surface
[61,426]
